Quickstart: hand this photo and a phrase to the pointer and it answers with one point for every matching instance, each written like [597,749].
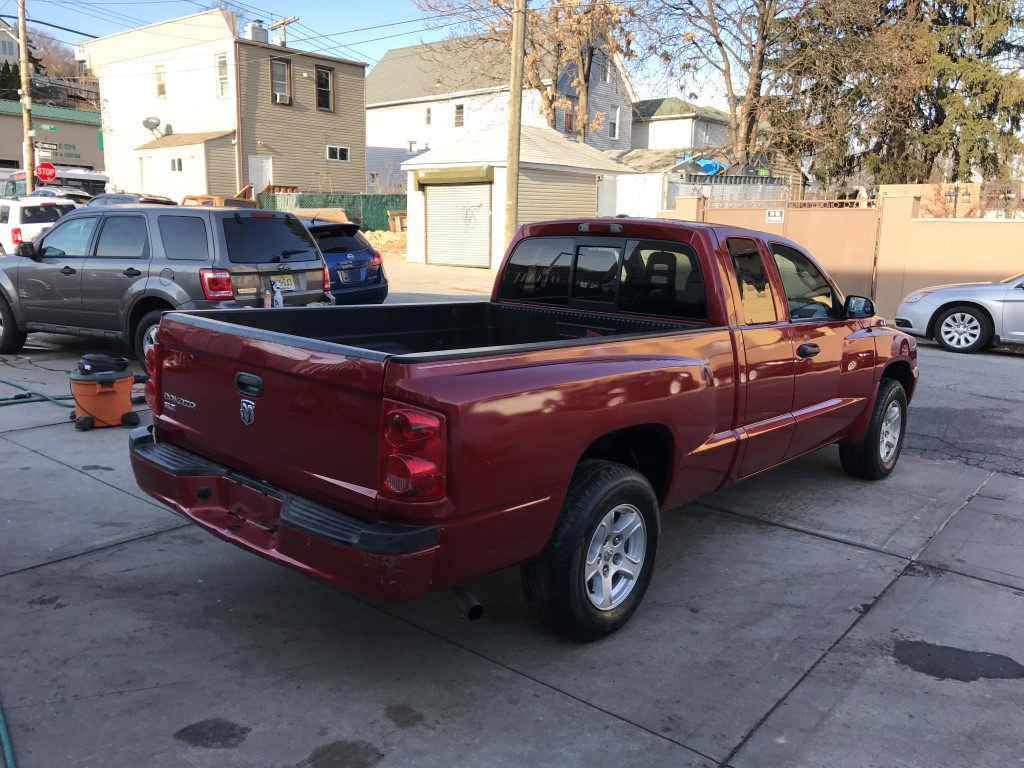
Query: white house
[456,193]
[190,108]
[428,96]
[670,122]
[10,50]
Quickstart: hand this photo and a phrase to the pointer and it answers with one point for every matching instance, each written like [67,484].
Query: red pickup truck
[621,367]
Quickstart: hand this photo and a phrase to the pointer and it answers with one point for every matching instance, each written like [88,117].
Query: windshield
[267,240]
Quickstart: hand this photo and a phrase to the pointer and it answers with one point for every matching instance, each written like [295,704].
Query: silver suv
[111,272]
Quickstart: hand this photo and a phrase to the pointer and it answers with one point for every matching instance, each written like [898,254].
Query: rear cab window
[646,277]
[267,239]
[46,213]
[340,239]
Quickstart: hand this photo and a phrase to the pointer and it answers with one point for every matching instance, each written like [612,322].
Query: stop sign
[46,172]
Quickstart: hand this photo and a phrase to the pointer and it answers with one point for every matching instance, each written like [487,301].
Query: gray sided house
[427,96]
[671,122]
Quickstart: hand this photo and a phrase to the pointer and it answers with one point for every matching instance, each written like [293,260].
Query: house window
[337,153]
[460,115]
[613,124]
[428,115]
[606,71]
[161,84]
[8,48]
[176,164]
[325,89]
[569,118]
[280,81]
[374,178]
[221,60]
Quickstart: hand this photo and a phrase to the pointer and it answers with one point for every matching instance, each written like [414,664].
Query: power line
[55,26]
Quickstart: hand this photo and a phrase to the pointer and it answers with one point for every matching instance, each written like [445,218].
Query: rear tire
[876,455]
[596,568]
[11,339]
[144,333]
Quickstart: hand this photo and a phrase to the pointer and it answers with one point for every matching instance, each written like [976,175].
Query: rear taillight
[154,363]
[216,284]
[327,279]
[16,235]
[377,259]
[414,451]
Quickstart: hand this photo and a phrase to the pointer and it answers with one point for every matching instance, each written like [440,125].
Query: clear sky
[352,29]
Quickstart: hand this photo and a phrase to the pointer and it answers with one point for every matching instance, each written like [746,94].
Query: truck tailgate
[295,413]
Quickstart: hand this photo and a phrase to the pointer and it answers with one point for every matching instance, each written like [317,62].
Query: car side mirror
[27,249]
[858,307]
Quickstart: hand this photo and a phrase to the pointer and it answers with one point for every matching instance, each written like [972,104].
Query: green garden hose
[33,396]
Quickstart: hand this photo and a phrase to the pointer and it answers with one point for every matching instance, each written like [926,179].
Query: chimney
[256,32]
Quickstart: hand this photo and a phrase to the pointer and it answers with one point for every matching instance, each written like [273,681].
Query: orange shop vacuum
[102,388]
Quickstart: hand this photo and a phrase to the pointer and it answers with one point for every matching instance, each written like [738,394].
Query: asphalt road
[799,619]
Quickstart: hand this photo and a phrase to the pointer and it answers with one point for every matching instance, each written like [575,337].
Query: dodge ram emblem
[248,412]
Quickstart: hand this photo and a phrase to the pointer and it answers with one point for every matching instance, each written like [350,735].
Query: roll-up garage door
[459,224]
[556,195]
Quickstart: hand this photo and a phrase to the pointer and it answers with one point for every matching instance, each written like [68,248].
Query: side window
[756,295]
[69,238]
[184,237]
[5,214]
[124,237]
[663,279]
[538,270]
[808,294]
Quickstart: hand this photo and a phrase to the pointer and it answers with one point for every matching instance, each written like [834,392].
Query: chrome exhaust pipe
[468,605]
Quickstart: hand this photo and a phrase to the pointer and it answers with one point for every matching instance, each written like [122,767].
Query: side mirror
[27,249]
[858,307]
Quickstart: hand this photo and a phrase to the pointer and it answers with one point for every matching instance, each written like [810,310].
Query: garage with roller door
[458,224]
[456,194]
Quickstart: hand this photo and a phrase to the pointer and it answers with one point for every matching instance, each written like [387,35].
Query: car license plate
[283,282]
[353,275]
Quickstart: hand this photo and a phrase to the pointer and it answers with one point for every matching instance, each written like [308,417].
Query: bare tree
[562,37]
[57,58]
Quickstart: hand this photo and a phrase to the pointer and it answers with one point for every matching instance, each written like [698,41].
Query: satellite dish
[151,123]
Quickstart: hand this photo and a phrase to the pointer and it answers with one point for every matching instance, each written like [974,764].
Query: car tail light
[154,363]
[377,259]
[216,284]
[263,215]
[16,235]
[414,453]
[327,279]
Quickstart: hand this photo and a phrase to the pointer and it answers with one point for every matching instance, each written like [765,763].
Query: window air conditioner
[281,98]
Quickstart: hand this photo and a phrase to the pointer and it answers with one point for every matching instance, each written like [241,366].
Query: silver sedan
[966,317]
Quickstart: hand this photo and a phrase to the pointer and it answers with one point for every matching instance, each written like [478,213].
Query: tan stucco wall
[73,138]
[916,253]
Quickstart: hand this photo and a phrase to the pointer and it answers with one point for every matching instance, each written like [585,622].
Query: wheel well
[142,308]
[646,448]
[950,305]
[901,372]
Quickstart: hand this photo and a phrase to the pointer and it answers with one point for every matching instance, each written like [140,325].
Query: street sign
[46,145]
[46,172]
[775,216]
[44,153]
[46,126]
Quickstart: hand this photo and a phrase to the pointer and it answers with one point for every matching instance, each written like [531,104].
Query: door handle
[808,350]
[131,272]
[249,384]
[68,271]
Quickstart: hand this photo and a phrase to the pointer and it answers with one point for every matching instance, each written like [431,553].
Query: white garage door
[556,195]
[459,224]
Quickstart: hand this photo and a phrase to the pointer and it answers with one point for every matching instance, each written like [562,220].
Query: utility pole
[283,26]
[28,149]
[515,119]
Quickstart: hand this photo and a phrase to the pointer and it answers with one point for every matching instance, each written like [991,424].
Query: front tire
[875,457]
[11,339]
[596,568]
[963,329]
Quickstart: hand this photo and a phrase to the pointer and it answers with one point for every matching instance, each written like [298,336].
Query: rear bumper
[383,560]
[361,294]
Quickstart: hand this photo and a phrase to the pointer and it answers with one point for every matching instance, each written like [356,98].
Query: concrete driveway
[801,618]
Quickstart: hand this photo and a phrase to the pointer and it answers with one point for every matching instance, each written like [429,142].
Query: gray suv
[111,272]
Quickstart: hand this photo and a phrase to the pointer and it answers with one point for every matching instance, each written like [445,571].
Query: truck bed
[425,330]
